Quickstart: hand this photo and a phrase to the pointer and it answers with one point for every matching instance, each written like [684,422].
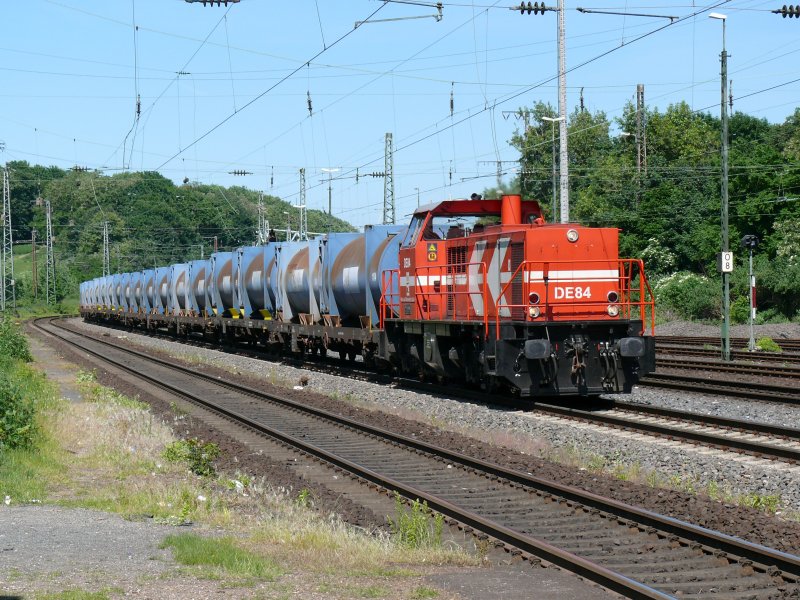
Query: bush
[688,295]
[770,315]
[17,416]
[196,454]
[768,345]
[12,343]
[740,310]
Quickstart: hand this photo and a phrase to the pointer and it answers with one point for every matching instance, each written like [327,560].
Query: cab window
[412,233]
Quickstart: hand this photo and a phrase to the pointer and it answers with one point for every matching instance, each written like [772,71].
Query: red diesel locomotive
[487,293]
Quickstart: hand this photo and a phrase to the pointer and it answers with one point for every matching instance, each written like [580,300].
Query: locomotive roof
[468,208]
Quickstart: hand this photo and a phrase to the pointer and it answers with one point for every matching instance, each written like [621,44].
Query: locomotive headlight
[613,297]
[533,298]
[613,310]
[533,311]
[572,235]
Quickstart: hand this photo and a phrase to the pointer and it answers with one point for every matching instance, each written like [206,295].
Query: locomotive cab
[489,293]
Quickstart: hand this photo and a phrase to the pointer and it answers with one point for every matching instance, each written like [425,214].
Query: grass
[26,473]
[76,594]
[424,593]
[220,554]
[106,453]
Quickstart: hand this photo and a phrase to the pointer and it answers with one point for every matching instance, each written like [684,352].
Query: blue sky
[226,89]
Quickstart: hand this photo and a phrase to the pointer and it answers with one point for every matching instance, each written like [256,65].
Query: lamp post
[726,258]
[553,121]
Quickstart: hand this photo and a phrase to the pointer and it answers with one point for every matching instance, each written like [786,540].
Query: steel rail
[721,542]
[664,350]
[786,344]
[709,439]
[738,389]
[722,422]
[729,367]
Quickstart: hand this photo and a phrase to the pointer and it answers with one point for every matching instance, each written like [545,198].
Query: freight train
[478,291]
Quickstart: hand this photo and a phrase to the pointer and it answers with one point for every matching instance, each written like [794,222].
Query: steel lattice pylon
[8,293]
[388,182]
[262,233]
[50,265]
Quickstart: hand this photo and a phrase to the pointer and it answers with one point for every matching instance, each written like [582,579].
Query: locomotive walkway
[629,550]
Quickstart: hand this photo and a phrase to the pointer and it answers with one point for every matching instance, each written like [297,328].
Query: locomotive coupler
[608,359]
[578,362]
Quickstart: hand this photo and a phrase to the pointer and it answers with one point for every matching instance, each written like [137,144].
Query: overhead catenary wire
[269,89]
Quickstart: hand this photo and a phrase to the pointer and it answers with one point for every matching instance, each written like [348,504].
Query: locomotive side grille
[456,265]
[517,256]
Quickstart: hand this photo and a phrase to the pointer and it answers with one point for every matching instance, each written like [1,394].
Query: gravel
[696,467]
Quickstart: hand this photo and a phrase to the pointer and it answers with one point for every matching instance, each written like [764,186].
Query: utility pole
[553,137]
[34,266]
[106,253]
[537,8]
[303,233]
[330,171]
[726,258]
[8,294]
[50,263]
[388,182]
[562,114]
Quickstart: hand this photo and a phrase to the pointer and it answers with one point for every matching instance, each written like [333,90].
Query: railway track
[783,358]
[739,368]
[737,389]
[632,551]
[758,439]
[761,440]
[787,344]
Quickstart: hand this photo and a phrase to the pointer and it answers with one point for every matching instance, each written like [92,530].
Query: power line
[267,91]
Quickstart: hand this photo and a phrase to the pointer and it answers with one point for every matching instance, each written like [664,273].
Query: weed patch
[74,595]
[768,345]
[222,554]
[416,527]
[767,503]
[197,455]
[423,593]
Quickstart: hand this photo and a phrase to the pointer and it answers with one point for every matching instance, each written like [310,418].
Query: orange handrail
[459,274]
[390,301]
[582,307]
